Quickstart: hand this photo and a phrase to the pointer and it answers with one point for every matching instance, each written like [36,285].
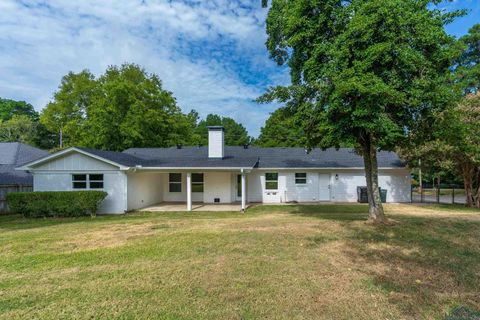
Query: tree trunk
[477,186]
[61,138]
[376,213]
[467,173]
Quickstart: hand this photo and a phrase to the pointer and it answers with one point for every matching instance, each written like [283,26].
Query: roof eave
[32,164]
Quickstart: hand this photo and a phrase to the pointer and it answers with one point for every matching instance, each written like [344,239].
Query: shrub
[55,203]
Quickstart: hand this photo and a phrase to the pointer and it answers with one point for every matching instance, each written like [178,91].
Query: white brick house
[140,177]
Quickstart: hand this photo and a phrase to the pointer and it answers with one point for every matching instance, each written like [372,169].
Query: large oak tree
[124,107]
[362,71]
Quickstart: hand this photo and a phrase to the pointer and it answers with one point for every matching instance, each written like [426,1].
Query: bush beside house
[56,203]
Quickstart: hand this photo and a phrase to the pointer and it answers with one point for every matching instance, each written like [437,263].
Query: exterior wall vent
[216,200]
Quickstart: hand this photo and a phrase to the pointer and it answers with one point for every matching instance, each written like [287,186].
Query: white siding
[398,185]
[396,182]
[344,185]
[144,189]
[56,175]
[217,185]
[254,187]
[256,191]
[75,161]
[302,192]
[114,183]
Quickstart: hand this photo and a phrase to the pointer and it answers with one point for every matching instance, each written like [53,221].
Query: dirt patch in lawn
[110,236]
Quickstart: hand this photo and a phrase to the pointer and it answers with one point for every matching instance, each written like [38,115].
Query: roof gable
[58,160]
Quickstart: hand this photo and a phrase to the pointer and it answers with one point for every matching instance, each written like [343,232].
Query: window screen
[79,181]
[197,182]
[87,181]
[300,178]
[271,181]
[175,182]
[96,181]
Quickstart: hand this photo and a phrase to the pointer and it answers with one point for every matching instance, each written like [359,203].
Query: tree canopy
[10,108]
[468,64]
[19,122]
[235,133]
[19,128]
[362,71]
[125,107]
[449,140]
[281,130]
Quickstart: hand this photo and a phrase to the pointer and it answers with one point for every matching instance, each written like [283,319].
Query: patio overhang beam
[193,169]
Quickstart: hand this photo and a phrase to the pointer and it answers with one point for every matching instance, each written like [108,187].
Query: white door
[324,187]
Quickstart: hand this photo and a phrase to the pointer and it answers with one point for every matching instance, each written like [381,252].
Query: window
[87,181]
[300,178]
[79,181]
[175,182]
[197,182]
[96,181]
[271,181]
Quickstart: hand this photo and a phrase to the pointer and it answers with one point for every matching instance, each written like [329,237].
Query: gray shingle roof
[239,157]
[14,154]
[266,157]
[117,157]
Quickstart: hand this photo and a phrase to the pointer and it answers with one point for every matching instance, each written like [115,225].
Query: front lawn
[274,262]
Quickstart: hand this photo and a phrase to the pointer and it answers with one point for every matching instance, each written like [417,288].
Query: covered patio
[196,206]
[202,189]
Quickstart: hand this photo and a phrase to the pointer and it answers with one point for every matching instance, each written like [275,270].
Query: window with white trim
[197,182]
[87,181]
[95,181]
[79,181]
[271,181]
[300,178]
[175,182]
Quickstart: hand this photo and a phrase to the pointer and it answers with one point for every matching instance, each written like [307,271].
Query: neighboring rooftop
[14,154]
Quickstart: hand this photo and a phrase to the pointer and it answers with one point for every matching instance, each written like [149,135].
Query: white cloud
[200,49]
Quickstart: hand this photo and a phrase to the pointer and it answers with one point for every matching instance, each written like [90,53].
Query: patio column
[189,191]
[244,191]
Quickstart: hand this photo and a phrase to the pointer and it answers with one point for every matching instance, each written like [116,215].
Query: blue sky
[209,53]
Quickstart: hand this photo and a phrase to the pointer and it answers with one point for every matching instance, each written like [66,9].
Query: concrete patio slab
[169,206]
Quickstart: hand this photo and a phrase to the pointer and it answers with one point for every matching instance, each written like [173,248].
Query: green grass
[274,262]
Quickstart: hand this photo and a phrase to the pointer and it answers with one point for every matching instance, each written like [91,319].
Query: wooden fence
[5,189]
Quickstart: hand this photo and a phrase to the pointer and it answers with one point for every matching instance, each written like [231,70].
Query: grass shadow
[338,212]
[420,261]
[18,222]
